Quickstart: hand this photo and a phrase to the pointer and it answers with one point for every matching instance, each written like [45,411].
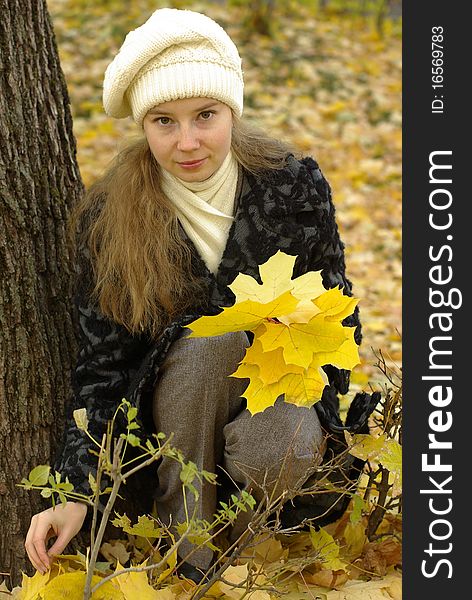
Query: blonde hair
[142,267]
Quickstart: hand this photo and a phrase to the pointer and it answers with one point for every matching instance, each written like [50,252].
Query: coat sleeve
[108,355]
[323,249]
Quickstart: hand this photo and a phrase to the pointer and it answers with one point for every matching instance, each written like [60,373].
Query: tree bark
[39,182]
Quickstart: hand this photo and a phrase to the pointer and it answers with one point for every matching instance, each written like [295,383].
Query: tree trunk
[39,182]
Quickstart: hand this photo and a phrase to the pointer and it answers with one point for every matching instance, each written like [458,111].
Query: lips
[192,164]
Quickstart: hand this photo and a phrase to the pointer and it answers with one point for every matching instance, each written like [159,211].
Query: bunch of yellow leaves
[297,329]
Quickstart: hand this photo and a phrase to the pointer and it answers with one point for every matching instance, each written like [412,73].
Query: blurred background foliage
[323,74]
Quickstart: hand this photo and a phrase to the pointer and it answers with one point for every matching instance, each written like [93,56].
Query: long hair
[142,275]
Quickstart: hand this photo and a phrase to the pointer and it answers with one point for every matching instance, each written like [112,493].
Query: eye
[207,114]
[162,120]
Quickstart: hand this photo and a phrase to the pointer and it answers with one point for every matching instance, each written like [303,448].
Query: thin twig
[106,513]
[172,549]
[97,491]
[375,518]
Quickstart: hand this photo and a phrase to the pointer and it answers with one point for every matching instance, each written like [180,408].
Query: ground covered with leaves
[330,84]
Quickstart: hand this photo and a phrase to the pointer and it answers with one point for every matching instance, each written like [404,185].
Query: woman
[201,198]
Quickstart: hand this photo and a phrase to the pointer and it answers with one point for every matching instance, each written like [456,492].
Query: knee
[195,379]
[284,443]
[210,355]
[232,342]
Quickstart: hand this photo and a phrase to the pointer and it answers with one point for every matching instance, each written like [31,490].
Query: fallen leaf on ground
[388,587]
[136,585]
[115,551]
[327,578]
[378,556]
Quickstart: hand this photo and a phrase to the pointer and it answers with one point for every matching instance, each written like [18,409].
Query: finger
[31,549]
[31,552]
[63,539]
[41,552]
[38,539]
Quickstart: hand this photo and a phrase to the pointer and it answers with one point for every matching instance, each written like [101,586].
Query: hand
[63,521]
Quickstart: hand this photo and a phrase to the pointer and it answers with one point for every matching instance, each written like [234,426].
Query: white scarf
[205,208]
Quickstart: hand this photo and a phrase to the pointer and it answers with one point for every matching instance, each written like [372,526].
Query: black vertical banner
[437,374]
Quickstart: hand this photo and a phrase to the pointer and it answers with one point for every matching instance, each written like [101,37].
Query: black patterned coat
[290,210]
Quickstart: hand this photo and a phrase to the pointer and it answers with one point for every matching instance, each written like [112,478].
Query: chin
[197,176]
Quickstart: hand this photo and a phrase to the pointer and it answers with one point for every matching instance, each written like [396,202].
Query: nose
[187,139]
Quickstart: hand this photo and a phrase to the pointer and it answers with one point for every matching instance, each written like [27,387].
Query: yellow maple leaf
[302,389]
[276,276]
[235,577]
[391,458]
[334,305]
[260,396]
[306,288]
[171,560]
[32,586]
[268,550]
[297,330]
[145,527]
[345,357]
[70,586]
[301,340]
[271,365]
[242,316]
[278,335]
[136,585]
[365,446]
[298,387]
[355,537]
[319,334]
[381,449]
[247,371]
[328,549]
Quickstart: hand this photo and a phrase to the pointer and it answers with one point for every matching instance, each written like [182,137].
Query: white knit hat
[174,54]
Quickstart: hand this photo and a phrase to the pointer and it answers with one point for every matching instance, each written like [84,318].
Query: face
[191,137]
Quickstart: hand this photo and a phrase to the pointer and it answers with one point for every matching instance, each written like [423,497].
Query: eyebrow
[156,111]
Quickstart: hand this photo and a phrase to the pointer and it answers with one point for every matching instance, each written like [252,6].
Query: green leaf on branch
[92,482]
[132,439]
[145,527]
[188,473]
[357,508]
[39,475]
[132,412]
[81,419]
[196,531]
